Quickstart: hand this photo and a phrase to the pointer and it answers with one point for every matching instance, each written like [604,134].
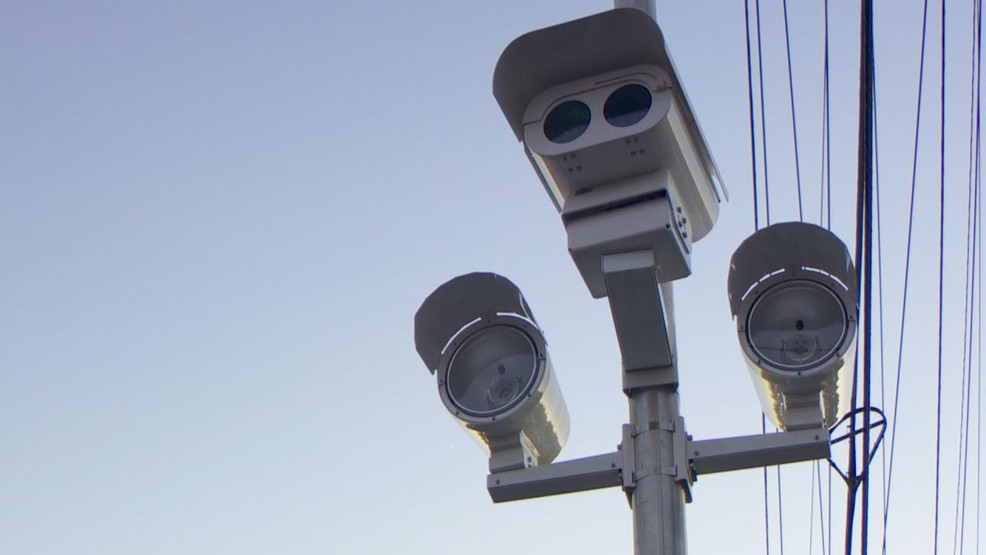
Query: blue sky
[218,219]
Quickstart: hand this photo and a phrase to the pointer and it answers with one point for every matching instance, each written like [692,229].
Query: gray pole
[643,314]
[658,501]
[643,5]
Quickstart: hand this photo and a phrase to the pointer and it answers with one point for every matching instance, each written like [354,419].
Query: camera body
[610,133]
[792,291]
[477,335]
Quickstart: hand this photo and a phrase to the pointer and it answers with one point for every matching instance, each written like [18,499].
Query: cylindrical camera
[792,291]
[476,333]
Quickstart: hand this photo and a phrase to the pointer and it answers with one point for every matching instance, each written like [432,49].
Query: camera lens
[492,370]
[797,325]
[627,105]
[567,121]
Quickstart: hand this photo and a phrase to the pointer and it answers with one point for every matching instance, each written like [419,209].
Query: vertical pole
[657,501]
[644,318]
[642,5]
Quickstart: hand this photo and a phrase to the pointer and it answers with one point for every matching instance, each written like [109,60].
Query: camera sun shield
[477,335]
[792,291]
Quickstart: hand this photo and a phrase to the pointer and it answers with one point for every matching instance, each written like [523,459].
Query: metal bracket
[640,306]
[629,462]
[736,453]
[689,459]
[682,468]
[601,471]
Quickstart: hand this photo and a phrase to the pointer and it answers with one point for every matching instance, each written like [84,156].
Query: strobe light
[477,335]
[792,292]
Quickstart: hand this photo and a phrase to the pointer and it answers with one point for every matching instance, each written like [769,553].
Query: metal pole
[642,5]
[643,313]
[657,501]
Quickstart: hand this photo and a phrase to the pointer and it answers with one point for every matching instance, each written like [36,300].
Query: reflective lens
[797,325]
[567,121]
[627,105]
[492,370]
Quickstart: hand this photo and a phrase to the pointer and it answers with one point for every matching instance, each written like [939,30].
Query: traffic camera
[792,291]
[477,335]
[607,126]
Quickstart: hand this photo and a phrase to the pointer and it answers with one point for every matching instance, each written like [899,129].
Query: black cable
[828,132]
[865,179]
[978,232]
[879,281]
[753,133]
[766,499]
[964,449]
[794,118]
[864,248]
[969,290]
[879,284]
[941,278]
[763,117]
[780,510]
[907,272]
[976,284]
[811,510]
[821,514]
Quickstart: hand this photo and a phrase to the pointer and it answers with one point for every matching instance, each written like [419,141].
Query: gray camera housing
[661,159]
[533,427]
[812,258]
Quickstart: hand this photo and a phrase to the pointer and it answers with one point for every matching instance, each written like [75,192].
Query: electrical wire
[753,133]
[794,118]
[941,279]
[978,14]
[970,289]
[879,282]
[827,127]
[780,511]
[763,116]
[907,273]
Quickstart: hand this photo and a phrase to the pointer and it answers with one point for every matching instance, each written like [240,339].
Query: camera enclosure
[793,293]
[477,335]
[610,133]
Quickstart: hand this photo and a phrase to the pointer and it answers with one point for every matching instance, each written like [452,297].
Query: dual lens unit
[624,107]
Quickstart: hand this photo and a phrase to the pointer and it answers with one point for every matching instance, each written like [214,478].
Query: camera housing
[607,127]
[793,293]
[477,335]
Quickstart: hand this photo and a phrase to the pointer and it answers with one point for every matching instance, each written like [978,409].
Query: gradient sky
[217,220]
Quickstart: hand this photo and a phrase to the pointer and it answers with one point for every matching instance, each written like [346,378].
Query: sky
[217,220]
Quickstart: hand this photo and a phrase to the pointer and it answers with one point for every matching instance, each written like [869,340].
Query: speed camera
[477,335]
[792,291]
[608,129]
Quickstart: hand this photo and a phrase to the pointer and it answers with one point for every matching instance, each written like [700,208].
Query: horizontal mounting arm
[601,471]
[736,453]
[704,457]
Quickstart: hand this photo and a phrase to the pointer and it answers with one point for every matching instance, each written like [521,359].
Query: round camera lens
[627,105]
[797,325]
[567,121]
[492,370]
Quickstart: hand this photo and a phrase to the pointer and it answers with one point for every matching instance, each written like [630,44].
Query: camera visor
[797,325]
[492,371]
[567,121]
[627,105]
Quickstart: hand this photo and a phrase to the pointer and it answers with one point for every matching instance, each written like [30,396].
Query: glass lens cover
[492,370]
[567,121]
[797,325]
[627,105]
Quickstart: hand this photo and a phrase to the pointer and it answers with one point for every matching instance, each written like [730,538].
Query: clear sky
[217,220]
